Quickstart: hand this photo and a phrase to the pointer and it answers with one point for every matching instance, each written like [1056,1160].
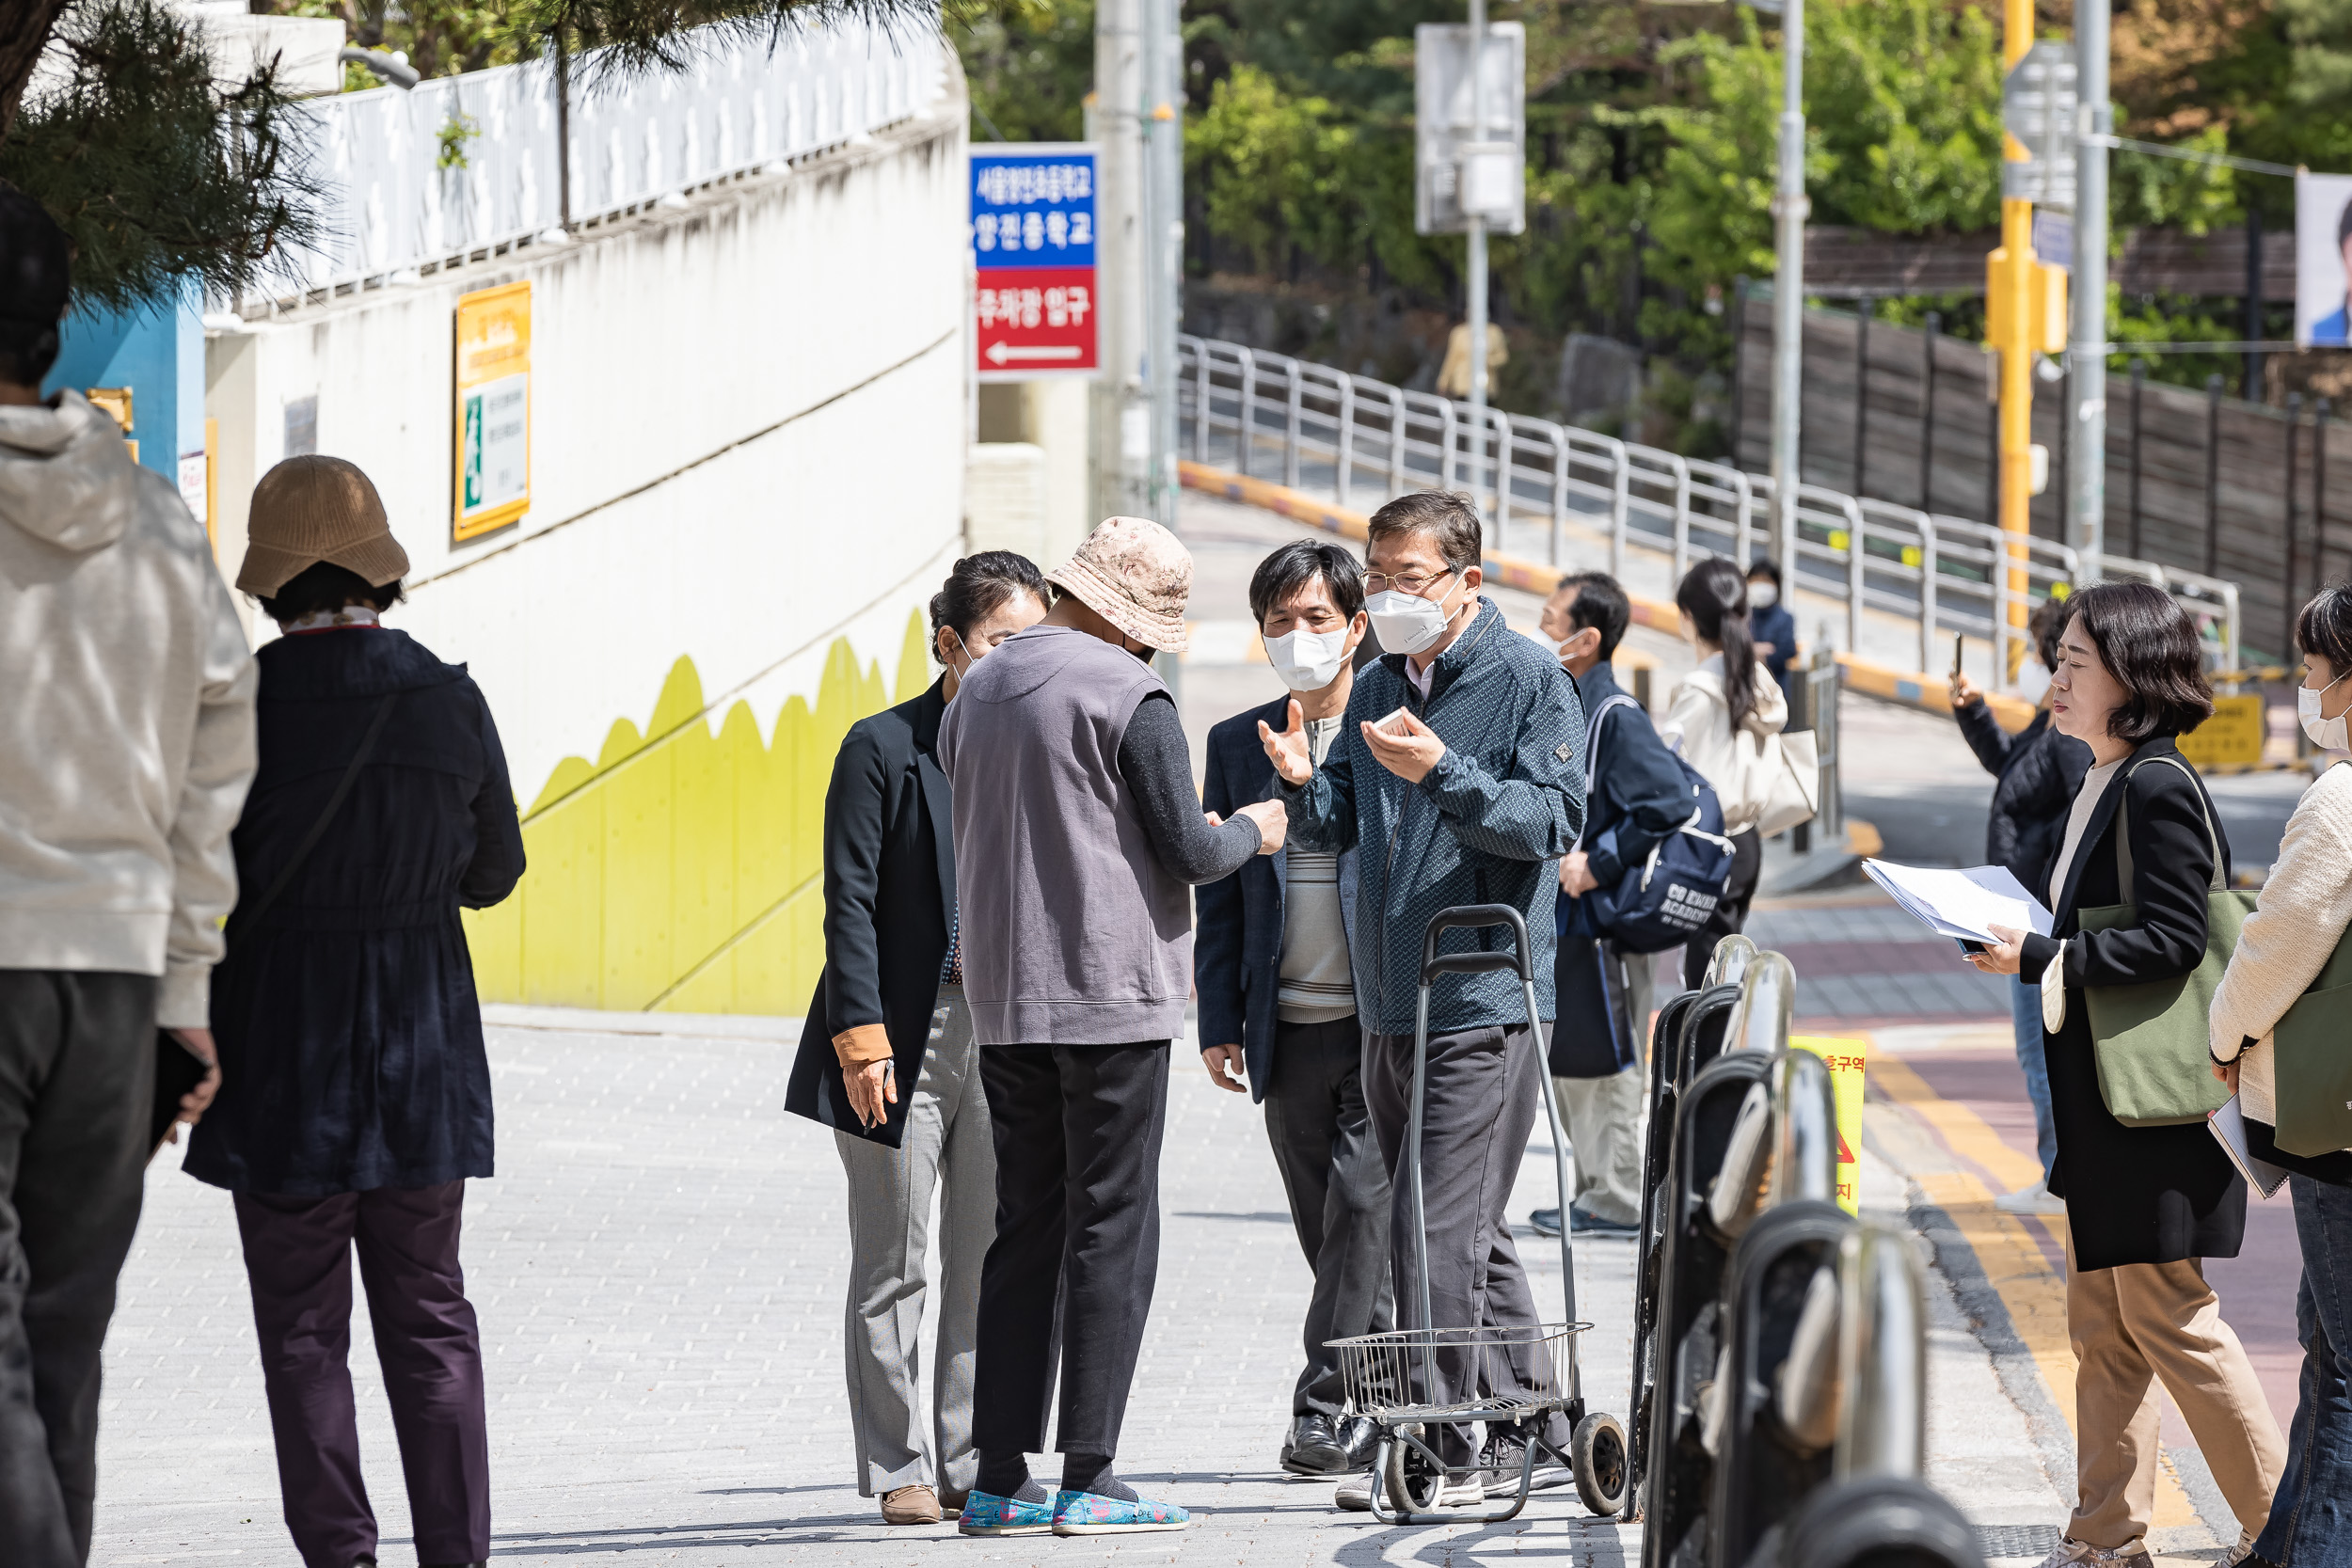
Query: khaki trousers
[2131,1327]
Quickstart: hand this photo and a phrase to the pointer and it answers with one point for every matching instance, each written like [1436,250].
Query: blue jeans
[2025,1016]
[2311,1519]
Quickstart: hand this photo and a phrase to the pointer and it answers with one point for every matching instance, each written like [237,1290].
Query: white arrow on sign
[1000,351]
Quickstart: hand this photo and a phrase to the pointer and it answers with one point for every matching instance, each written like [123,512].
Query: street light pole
[1789,210]
[2087,448]
[1475,263]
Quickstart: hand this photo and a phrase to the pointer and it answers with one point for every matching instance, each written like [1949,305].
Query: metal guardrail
[1780,1354]
[1275,415]
[470,163]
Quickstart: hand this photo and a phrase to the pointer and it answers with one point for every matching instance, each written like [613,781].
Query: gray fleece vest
[1073,932]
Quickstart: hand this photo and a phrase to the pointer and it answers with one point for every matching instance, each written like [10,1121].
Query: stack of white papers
[1965,904]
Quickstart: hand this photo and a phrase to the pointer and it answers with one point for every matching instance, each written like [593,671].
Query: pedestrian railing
[1543,483]
[1780,1351]
[464,165]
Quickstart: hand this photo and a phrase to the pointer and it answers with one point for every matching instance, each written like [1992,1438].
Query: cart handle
[1433,963]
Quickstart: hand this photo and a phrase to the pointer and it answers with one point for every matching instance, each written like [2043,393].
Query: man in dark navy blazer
[1271,963]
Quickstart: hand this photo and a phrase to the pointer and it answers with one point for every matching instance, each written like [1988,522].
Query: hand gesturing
[1288,750]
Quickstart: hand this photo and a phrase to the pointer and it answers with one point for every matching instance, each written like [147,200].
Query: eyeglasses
[1415,583]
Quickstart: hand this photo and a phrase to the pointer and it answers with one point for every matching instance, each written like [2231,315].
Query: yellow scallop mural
[682,871]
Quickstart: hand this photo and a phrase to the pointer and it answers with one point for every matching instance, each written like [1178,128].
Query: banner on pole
[1033,228]
[2323,260]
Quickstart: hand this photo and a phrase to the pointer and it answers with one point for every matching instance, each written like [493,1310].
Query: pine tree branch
[160,175]
[25,27]
[634,37]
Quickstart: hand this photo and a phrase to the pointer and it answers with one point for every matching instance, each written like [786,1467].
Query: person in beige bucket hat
[314,509]
[1135,575]
[1078,839]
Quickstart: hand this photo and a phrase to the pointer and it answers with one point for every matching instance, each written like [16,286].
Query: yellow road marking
[2013,1263]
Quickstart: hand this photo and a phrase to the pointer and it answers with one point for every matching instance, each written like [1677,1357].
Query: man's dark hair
[35,276]
[324,585]
[1290,569]
[978,586]
[1599,602]
[2151,647]
[1450,518]
[2323,627]
[1766,567]
[2045,625]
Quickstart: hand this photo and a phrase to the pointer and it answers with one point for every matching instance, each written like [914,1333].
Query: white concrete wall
[747,439]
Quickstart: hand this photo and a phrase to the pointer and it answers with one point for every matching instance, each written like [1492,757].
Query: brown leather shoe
[911,1505]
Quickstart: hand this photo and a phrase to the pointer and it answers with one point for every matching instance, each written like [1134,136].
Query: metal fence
[1275,417]
[472,163]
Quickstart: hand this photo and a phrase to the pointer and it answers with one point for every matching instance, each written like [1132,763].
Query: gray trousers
[1338,1194]
[947,1146]
[77,1074]
[1479,1104]
[1604,1115]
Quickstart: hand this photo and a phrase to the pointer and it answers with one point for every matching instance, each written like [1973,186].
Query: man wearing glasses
[1460,775]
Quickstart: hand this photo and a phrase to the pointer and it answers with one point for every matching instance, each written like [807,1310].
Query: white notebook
[2228,1126]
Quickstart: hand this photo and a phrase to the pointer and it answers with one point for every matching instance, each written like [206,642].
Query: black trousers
[1747,863]
[1479,1102]
[77,1074]
[1338,1194]
[1077,1130]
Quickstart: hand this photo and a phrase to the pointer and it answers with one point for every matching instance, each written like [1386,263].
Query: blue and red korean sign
[1033,233]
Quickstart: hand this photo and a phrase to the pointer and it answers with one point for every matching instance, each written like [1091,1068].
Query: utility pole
[1789,210]
[1474,264]
[1164,239]
[2087,485]
[1120,400]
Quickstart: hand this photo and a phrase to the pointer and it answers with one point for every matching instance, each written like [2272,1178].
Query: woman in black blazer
[2144,1204]
[888,1061]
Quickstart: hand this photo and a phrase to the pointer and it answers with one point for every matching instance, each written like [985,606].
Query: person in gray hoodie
[126,745]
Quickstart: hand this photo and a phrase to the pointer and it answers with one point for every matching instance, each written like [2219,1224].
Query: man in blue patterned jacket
[1459,778]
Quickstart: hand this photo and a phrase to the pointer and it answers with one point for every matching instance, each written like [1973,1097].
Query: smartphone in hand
[1957,643]
[1395,724]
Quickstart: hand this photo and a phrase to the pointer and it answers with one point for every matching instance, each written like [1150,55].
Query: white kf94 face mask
[1406,623]
[2327,733]
[1307,660]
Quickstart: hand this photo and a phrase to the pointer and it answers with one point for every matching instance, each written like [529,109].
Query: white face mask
[2327,733]
[1762,595]
[2033,681]
[1406,623]
[1307,660]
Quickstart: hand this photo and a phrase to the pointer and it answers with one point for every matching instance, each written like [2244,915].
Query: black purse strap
[248,918]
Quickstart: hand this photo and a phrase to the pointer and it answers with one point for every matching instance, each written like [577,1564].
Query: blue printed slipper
[1090,1513]
[987,1514]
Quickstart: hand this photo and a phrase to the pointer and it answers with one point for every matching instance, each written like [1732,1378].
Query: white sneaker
[1355,1493]
[2036,1200]
[2068,1554]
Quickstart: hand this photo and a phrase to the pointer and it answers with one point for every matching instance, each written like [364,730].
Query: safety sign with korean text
[493,423]
[1033,236]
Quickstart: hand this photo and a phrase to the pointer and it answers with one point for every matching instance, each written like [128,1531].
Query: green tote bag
[2151,1040]
[2312,1061]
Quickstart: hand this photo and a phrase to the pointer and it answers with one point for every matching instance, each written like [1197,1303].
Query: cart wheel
[1411,1485]
[1597,1454]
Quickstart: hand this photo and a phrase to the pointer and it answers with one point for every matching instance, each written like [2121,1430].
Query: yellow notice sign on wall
[492,486]
[1846,1058]
[2234,735]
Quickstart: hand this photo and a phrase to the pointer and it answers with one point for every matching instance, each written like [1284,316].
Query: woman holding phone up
[888,1061]
[2144,1205]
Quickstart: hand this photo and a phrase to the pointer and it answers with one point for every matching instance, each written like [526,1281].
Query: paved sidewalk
[659,1270]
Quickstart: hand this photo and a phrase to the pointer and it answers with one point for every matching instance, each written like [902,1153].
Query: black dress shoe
[1360,1435]
[1313,1448]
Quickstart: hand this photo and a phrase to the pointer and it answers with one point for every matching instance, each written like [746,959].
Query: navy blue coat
[1237,947]
[1487,825]
[350,1036]
[1774,631]
[890,900]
